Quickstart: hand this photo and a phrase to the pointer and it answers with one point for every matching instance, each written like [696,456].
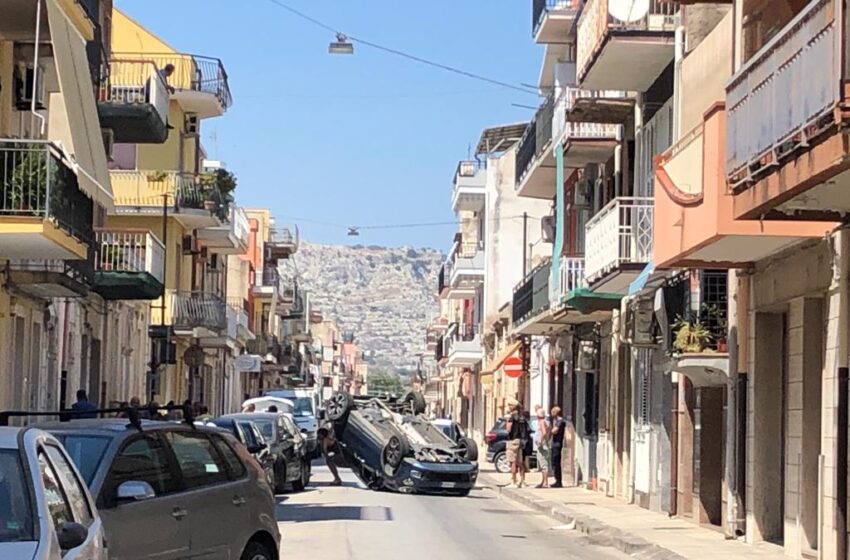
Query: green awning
[587,301]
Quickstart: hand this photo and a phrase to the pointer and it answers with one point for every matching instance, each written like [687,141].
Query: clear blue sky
[363,139]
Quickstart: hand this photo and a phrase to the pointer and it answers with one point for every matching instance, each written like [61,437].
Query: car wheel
[256,551]
[279,478]
[301,483]
[469,448]
[394,452]
[416,401]
[501,462]
[338,405]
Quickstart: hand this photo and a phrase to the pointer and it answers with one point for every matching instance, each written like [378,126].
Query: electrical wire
[522,87]
[407,225]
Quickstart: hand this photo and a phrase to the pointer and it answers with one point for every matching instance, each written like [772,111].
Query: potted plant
[717,319]
[28,184]
[157,176]
[692,336]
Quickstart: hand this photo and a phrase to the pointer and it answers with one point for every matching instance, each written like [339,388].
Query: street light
[341,45]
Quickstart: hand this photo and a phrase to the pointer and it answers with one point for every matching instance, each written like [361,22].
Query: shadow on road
[305,513]
[324,484]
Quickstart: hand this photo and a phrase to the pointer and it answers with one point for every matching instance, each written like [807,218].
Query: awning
[649,278]
[587,301]
[509,350]
[74,123]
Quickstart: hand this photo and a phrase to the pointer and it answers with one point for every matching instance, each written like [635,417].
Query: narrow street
[351,522]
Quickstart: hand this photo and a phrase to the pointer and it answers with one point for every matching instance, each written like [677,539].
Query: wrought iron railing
[138,188]
[129,250]
[784,92]
[199,310]
[34,182]
[620,233]
[531,295]
[570,277]
[564,130]
[135,82]
[541,8]
[536,139]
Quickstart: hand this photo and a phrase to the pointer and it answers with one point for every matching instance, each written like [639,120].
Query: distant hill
[383,295]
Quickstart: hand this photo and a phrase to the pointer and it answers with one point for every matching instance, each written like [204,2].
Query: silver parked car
[168,490]
[46,511]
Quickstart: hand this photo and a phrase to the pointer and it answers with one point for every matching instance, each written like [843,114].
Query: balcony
[47,279]
[553,20]
[584,142]
[531,309]
[42,208]
[198,314]
[198,83]
[570,277]
[133,102]
[230,238]
[619,243]
[693,203]
[465,269]
[281,244]
[129,265]
[785,140]
[463,346]
[443,281]
[470,186]
[237,333]
[147,193]
[535,162]
[623,48]
[269,285]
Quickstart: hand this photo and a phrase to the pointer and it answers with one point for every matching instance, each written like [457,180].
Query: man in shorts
[518,436]
[327,443]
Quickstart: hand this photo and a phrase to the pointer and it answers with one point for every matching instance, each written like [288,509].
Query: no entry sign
[513,367]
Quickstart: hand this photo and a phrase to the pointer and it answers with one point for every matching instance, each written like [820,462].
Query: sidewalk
[630,529]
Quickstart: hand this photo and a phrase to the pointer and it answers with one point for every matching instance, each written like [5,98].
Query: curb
[596,531]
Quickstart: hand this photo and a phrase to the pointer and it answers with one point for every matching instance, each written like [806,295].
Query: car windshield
[266,428]
[303,406]
[87,453]
[16,516]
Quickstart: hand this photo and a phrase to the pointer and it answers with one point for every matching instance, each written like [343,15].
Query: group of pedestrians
[548,438]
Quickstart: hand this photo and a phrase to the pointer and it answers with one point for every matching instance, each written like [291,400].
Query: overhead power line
[298,13]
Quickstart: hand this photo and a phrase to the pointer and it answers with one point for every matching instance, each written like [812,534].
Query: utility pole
[158,346]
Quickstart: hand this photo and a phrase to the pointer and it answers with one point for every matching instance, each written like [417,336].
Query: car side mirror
[305,431]
[256,448]
[71,535]
[135,490]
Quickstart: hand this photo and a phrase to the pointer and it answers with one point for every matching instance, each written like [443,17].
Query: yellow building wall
[129,36]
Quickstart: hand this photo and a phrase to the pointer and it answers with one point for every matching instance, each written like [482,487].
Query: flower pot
[209,205]
[722,346]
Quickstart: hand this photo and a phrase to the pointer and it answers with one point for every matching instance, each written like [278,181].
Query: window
[16,515]
[144,459]
[72,486]
[250,436]
[266,428]
[87,452]
[290,426]
[303,406]
[57,502]
[234,465]
[199,461]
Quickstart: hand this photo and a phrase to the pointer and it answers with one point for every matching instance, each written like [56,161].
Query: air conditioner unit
[24,94]
[190,245]
[642,327]
[108,142]
[547,229]
[190,123]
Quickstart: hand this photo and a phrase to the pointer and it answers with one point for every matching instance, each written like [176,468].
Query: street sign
[248,362]
[513,367]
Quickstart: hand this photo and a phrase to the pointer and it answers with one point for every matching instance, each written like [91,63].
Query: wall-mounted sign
[513,367]
[248,362]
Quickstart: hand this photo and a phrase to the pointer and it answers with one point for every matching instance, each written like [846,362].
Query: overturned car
[389,444]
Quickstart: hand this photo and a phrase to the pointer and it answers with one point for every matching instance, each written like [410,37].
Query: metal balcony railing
[138,188]
[199,310]
[541,8]
[35,183]
[192,73]
[536,139]
[531,295]
[442,278]
[596,22]
[564,130]
[239,224]
[129,250]
[620,233]
[467,257]
[271,276]
[132,81]
[462,338]
[570,277]
[784,92]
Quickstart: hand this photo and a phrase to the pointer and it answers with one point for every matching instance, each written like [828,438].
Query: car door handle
[239,501]
[179,513]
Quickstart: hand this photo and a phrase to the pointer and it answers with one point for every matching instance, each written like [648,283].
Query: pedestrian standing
[518,437]
[559,426]
[529,442]
[83,405]
[543,439]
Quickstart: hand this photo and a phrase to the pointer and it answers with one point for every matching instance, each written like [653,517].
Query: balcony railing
[784,92]
[135,82]
[271,276]
[192,73]
[442,278]
[531,296]
[564,130]
[537,137]
[129,251]
[199,310]
[570,278]
[467,257]
[541,8]
[34,183]
[462,338]
[620,233]
[597,21]
[148,188]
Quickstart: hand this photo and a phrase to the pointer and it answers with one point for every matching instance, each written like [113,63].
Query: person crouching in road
[327,443]
[518,437]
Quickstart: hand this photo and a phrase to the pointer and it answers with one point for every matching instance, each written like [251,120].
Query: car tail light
[490,437]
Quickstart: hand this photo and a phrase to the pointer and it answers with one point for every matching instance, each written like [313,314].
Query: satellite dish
[628,10]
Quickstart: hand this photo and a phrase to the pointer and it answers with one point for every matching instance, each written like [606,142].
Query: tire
[416,401]
[463,493]
[256,551]
[500,461]
[338,406]
[394,453]
[279,478]
[302,481]
[469,447]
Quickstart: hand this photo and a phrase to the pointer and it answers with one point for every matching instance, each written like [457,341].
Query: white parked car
[46,511]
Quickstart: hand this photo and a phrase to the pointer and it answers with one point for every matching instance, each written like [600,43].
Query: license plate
[448,484]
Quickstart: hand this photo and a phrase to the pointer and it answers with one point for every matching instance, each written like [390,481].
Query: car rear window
[16,515]
[266,428]
[87,453]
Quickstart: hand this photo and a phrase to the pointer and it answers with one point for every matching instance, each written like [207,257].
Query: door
[291,443]
[216,505]
[162,520]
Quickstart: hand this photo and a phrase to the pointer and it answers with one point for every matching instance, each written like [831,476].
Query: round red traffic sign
[513,367]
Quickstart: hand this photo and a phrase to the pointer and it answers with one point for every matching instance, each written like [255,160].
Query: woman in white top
[543,437]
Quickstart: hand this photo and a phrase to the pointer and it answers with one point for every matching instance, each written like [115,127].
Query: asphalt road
[351,522]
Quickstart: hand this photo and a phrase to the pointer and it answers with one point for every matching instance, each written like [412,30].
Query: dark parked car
[389,444]
[497,442]
[286,445]
[250,436]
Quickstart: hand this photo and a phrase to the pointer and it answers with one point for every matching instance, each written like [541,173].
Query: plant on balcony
[218,186]
[716,318]
[157,176]
[27,187]
[691,336]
